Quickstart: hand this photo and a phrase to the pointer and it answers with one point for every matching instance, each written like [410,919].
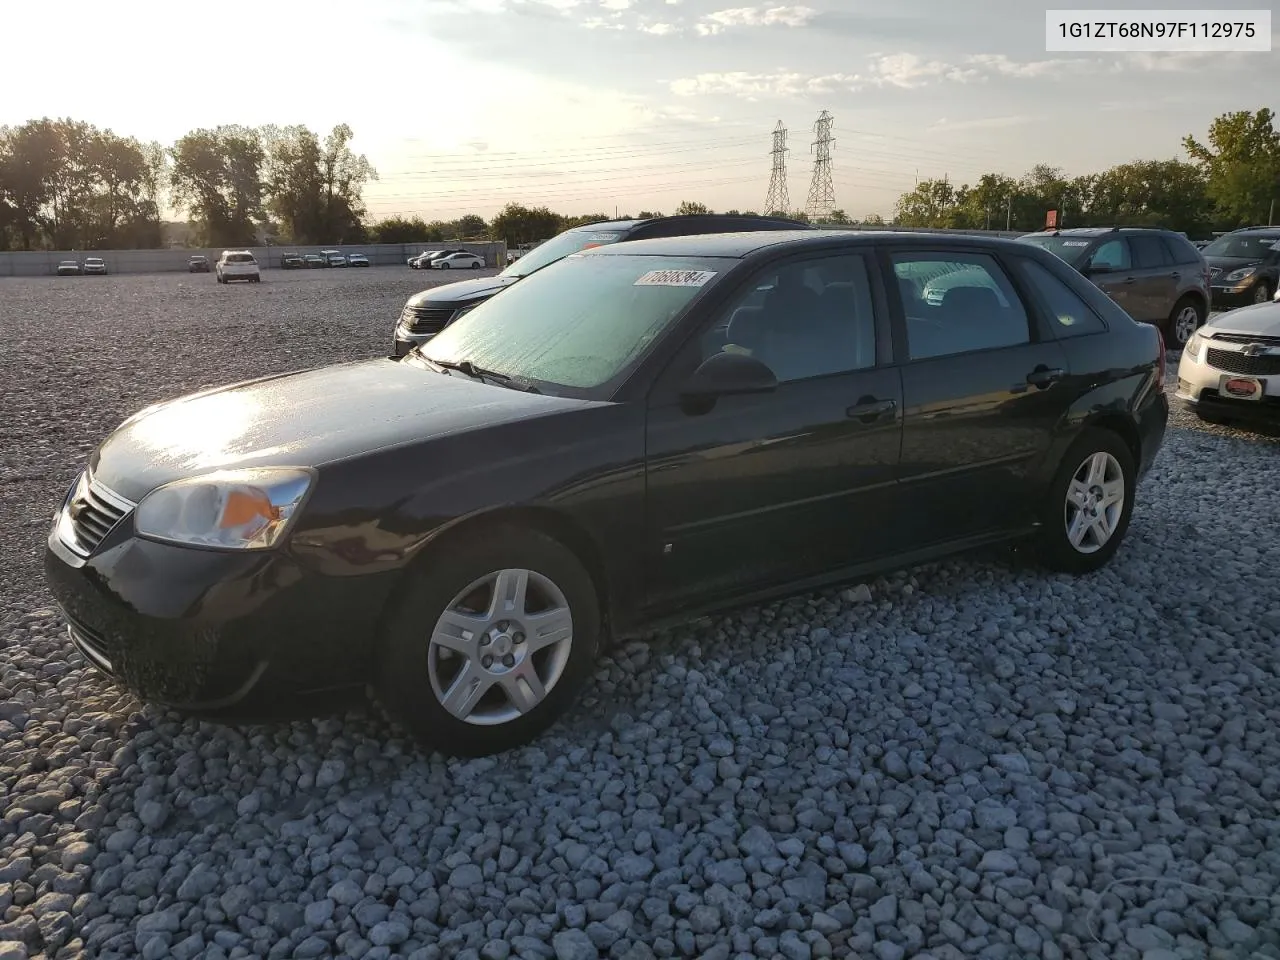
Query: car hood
[308,418]
[1259,319]
[1227,264]
[463,291]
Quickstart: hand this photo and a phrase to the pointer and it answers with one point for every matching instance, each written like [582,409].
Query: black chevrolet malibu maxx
[634,435]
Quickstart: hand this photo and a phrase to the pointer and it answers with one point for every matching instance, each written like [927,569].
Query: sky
[592,106]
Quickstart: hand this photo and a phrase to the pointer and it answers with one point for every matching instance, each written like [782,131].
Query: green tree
[516,224]
[472,225]
[873,220]
[690,207]
[218,177]
[399,230]
[315,187]
[1241,164]
[1154,193]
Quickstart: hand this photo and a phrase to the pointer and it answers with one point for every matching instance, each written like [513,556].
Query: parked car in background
[291,261]
[423,260]
[236,265]
[314,261]
[694,423]
[68,268]
[1157,276]
[430,311]
[197,263]
[333,258]
[95,265]
[357,260]
[1244,266]
[458,261]
[1231,368]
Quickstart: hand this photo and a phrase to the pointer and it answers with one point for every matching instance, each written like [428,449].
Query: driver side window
[806,319]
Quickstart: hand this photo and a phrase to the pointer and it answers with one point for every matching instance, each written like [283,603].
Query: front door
[752,491]
[982,393]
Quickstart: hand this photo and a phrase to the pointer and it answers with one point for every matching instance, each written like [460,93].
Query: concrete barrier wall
[40,263]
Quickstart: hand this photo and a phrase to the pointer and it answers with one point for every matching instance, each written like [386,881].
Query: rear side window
[1181,251]
[1148,252]
[1111,253]
[957,303]
[1070,316]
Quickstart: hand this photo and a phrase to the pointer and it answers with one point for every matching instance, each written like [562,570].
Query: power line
[778,199]
[822,192]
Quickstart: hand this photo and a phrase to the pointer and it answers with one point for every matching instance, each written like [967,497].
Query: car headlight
[1194,346]
[232,509]
[1244,273]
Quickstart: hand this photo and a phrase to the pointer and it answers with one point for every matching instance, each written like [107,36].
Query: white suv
[237,265]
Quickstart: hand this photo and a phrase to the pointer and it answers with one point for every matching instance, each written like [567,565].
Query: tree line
[66,184]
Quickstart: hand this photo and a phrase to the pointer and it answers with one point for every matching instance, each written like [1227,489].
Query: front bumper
[1236,295]
[214,632]
[405,340]
[1200,389]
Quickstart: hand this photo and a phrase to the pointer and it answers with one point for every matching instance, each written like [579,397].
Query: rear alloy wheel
[1186,318]
[488,649]
[1262,292]
[1090,503]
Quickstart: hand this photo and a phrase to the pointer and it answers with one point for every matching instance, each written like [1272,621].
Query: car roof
[1095,231]
[743,244]
[1262,230]
[725,220]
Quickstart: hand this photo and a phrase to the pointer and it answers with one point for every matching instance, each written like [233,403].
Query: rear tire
[428,645]
[1184,320]
[1081,504]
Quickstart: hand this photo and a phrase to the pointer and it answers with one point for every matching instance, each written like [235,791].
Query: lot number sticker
[675,278]
[1075,243]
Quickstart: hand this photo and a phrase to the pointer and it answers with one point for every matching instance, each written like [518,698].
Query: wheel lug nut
[508,661]
[487,662]
[518,638]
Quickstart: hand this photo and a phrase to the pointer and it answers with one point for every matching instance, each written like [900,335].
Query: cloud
[660,29]
[617,4]
[982,123]
[599,23]
[722,20]
[750,85]
[909,71]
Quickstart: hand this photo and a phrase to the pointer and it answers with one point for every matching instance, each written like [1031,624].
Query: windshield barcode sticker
[1075,243]
[675,278]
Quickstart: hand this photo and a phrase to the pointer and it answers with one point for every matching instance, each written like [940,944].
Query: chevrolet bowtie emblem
[1254,350]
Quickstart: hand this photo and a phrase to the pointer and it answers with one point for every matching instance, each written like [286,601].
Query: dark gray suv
[1157,276]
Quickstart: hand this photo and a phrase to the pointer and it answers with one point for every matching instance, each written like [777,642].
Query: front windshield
[581,322]
[1070,249]
[1246,247]
[557,248]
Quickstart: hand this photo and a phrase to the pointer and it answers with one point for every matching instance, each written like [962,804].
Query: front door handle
[869,409]
[1176,275]
[1128,280]
[1042,376]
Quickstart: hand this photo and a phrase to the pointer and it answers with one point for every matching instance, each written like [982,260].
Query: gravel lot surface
[972,759]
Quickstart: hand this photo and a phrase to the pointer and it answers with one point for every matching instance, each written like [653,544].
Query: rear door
[758,490]
[1156,289]
[983,388]
[1110,267]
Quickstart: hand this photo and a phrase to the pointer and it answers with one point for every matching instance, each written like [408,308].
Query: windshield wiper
[480,373]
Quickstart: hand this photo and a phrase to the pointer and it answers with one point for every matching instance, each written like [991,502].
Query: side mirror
[724,374]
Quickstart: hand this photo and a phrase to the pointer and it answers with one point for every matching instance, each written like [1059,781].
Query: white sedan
[1230,368]
[458,261]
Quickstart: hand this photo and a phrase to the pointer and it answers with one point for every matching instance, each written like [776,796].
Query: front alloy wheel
[1261,293]
[500,647]
[1095,503]
[489,641]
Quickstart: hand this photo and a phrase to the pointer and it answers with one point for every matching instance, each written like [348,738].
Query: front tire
[1262,292]
[1185,319]
[1090,502]
[489,646]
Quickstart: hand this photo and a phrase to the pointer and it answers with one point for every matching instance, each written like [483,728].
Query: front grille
[1230,361]
[93,512]
[91,644]
[1247,338]
[1214,271]
[426,319]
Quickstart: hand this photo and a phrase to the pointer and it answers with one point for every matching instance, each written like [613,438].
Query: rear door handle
[869,409]
[1128,280]
[1042,377]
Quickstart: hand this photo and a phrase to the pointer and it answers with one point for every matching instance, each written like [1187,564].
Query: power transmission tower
[778,200]
[822,192]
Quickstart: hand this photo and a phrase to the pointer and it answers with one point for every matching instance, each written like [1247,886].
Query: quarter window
[1071,316]
[1113,254]
[803,320]
[957,302]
